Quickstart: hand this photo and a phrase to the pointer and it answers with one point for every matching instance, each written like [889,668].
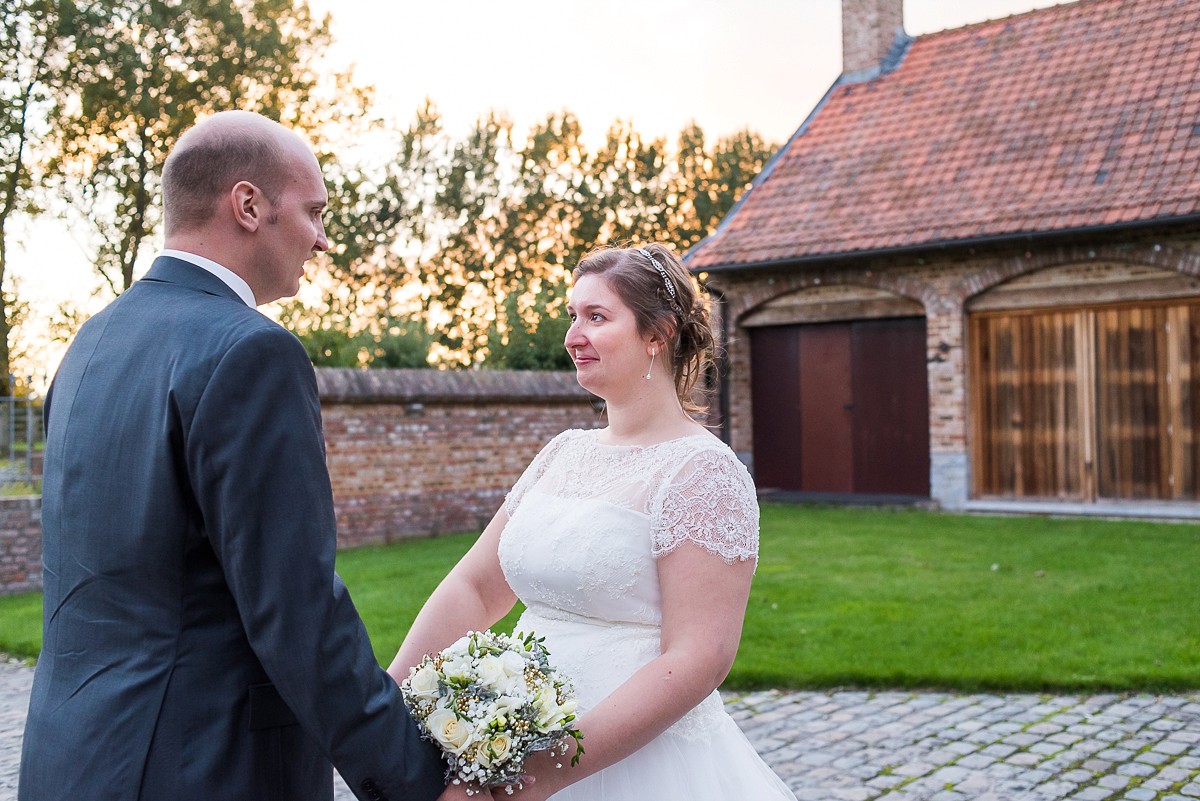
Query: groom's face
[294,229]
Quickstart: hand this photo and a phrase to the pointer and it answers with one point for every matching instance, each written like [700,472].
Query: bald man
[198,645]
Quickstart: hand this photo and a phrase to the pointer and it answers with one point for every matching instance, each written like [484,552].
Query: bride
[632,548]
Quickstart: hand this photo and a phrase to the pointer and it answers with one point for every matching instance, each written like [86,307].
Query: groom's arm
[256,456]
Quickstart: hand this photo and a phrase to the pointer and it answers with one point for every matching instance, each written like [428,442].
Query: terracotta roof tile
[1072,116]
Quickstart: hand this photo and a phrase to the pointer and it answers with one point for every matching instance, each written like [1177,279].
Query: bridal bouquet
[490,700]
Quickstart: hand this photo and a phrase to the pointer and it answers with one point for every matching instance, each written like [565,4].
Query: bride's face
[603,339]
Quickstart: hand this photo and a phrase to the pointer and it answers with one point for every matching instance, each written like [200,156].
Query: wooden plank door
[1030,432]
[891,407]
[1100,402]
[826,408]
[841,407]
[1148,412]
[775,406]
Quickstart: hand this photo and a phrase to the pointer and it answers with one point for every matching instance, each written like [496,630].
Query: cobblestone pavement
[903,746]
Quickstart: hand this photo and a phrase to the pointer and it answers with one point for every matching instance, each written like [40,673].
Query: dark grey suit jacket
[197,642]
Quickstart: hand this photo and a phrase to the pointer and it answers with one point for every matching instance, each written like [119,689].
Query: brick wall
[415,453]
[20,545]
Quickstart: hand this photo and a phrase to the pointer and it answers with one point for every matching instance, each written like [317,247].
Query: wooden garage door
[1148,402]
[841,407]
[1030,405]
[1091,403]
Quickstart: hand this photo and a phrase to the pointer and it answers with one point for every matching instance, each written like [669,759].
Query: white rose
[458,647]
[457,667]
[514,663]
[490,671]
[452,734]
[515,686]
[423,683]
[498,748]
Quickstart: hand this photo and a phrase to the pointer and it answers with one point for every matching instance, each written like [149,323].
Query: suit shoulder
[227,325]
[262,338]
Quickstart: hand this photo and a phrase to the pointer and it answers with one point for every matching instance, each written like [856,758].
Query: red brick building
[973,273]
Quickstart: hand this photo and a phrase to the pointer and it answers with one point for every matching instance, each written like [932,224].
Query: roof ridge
[1057,7]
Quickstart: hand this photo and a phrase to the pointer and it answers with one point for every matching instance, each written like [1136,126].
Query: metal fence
[22,439]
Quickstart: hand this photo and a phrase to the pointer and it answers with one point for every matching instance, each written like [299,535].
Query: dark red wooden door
[891,407]
[775,404]
[826,419]
[841,407]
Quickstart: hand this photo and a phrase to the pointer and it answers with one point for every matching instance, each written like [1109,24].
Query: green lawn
[892,599]
[917,599]
[10,489]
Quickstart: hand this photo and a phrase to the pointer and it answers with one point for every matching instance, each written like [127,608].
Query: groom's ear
[248,204]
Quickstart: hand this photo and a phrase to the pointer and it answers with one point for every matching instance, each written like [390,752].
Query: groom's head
[246,192]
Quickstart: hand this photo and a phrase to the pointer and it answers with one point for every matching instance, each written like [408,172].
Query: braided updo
[681,320]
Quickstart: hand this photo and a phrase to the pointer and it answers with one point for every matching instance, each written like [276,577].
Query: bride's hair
[644,279]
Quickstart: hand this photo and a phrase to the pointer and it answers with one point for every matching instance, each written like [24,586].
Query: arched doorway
[1085,385]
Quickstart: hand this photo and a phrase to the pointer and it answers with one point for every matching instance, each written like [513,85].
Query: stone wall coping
[395,385]
[32,500]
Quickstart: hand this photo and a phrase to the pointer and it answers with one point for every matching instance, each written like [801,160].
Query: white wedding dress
[586,523]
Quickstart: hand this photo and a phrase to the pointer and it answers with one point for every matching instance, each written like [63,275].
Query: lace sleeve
[710,501]
[536,469]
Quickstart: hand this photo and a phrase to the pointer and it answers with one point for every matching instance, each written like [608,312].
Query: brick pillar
[869,28]
[946,361]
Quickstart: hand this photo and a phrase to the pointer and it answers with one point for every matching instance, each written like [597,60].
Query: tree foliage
[510,217]
[477,235]
[141,73]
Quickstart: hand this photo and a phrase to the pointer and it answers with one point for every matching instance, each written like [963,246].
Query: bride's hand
[458,792]
[542,763]
[529,791]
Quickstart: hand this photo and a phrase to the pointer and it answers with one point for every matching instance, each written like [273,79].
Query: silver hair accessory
[661,271]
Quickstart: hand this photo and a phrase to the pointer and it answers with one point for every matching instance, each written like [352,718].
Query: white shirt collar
[229,277]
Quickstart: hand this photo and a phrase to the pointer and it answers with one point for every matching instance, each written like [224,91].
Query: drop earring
[653,353]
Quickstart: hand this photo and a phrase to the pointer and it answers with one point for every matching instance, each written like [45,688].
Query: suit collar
[167,269]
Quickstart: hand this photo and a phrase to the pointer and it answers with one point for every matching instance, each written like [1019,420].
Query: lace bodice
[691,489]
[587,522]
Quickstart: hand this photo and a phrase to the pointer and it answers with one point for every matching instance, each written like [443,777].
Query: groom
[197,643]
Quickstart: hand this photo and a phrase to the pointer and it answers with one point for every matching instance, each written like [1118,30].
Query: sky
[658,64]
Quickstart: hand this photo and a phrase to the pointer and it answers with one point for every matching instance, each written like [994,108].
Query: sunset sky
[659,63]
[761,64]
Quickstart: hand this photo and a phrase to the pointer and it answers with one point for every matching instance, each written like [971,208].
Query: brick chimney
[869,28]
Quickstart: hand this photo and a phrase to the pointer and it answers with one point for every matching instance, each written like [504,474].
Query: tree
[545,204]
[466,276]
[363,295]
[338,341]
[142,72]
[378,209]
[19,347]
[519,216]
[534,340]
[630,175]
[32,43]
